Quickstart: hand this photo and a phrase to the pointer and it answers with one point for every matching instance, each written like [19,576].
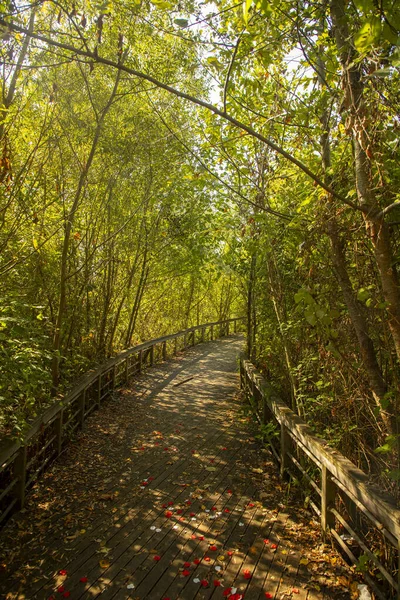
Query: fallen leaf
[104,564]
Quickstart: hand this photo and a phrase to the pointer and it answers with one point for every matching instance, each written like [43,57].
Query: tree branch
[115,65]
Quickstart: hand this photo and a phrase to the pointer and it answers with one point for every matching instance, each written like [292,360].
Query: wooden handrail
[21,462]
[336,472]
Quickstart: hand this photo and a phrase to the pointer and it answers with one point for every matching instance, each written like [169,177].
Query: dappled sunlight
[166,494]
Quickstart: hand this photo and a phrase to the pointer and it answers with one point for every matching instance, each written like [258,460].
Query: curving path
[166,494]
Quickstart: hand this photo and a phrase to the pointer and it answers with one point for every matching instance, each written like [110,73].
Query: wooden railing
[22,462]
[364,521]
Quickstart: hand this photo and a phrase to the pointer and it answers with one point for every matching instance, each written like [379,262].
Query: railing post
[176,346]
[114,375]
[99,390]
[212,332]
[151,356]
[235,326]
[59,429]
[127,369]
[193,337]
[264,407]
[184,341]
[20,475]
[164,351]
[227,328]
[398,569]
[328,495]
[140,361]
[202,334]
[285,441]
[81,404]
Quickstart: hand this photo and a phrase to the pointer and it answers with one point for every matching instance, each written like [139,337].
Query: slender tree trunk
[376,226]
[356,312]
[67,236]
[250,305]
[138,298]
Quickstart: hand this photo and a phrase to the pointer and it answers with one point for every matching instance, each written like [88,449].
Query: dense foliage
[128,211]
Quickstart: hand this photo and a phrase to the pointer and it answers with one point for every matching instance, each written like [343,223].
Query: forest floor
[167,494]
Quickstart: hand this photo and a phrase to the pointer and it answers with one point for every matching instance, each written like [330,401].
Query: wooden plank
[351,477]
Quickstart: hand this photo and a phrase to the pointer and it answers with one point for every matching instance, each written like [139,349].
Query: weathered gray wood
[328,495]
[382,506]
[59,430]
[12,452]
[20,475]
[152,355]
[99,390]
[81,401]
[127,363]
[285,448]
[114,377]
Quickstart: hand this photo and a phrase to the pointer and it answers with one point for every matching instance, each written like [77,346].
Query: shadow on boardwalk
[166,494]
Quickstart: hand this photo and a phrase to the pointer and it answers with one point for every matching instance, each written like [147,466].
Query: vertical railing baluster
[20,475]
[328,495]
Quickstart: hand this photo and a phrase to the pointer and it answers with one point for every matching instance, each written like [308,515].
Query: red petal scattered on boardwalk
[170,503]
[66,594]
[217,583]
[168,514]
[274,546]
[62,572]
[247,574]
[213,548]
[197,561]
[204,583]
[227,592]
[185,573]
[156,557]
[200,537]
[83,579]
[268,595]
[266,541]
[61,589]
[207,558]
[187,564]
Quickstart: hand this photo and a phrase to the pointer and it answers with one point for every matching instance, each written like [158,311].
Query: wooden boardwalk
[166,494]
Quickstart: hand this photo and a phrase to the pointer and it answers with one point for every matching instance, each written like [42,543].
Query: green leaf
[394,475]
[246,7]
[181,22]
[363,294]
[365,5]
[391,441]
[162,4]
[368,35]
